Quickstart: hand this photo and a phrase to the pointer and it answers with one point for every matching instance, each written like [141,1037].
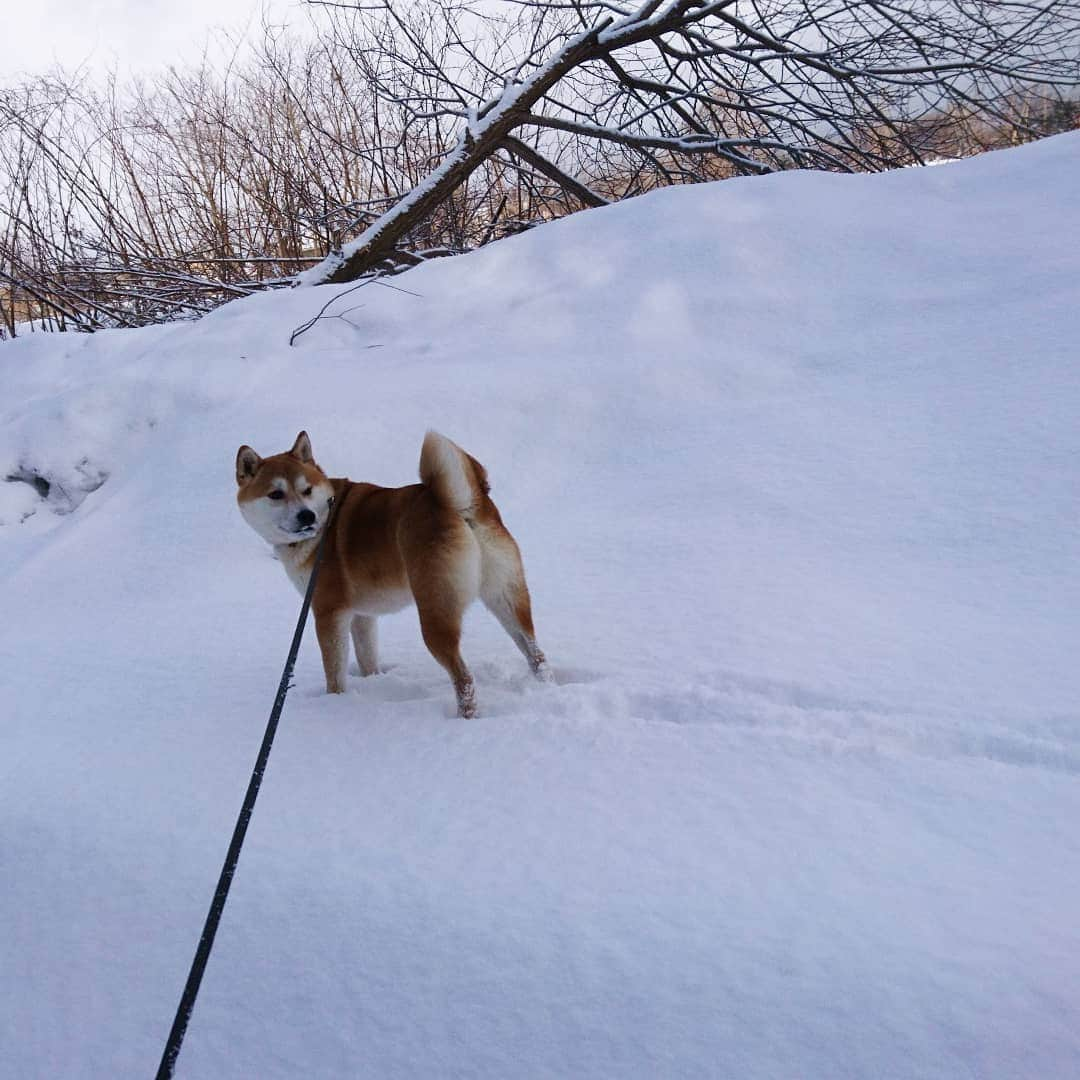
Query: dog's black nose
[305,518]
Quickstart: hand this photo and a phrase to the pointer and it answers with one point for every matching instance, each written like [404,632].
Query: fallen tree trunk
[482,137]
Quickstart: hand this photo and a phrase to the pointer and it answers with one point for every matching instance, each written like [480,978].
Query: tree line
[398,132]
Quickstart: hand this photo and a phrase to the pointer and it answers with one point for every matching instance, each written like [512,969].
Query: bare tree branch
[406,131]
[758,85]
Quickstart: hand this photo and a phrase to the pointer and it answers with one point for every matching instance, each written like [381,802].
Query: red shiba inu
[439,543]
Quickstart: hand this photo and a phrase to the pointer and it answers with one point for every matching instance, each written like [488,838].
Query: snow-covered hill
[795,467]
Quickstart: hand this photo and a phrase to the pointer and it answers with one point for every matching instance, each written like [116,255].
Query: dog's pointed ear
[302,448]
[247,464]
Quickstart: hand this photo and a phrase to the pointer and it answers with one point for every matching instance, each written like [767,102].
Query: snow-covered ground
[795,466]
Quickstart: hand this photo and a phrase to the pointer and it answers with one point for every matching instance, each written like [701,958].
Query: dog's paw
[544,674]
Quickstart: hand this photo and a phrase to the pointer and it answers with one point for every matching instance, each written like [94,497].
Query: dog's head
[284,498]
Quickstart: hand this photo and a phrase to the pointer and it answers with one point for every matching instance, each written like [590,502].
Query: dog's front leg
[332,629]
[365,636]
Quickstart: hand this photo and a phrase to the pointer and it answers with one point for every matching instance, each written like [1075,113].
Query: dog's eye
[308,492]
[276,495]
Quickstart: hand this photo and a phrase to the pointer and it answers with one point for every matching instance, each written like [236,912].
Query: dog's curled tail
[454,477]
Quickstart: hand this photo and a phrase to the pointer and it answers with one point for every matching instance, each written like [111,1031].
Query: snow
[793,464]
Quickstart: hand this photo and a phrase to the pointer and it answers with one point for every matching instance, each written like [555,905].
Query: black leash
[217,905]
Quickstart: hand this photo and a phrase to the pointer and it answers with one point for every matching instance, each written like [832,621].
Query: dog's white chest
[297,565]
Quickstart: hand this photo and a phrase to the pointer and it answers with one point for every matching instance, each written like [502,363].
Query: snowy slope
[795,467]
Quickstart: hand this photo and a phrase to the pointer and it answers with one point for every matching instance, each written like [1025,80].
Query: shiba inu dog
[438,544]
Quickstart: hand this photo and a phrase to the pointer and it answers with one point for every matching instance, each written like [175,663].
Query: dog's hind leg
[332,630]
[506,595]
[441,628]
[443,563]
[365,638]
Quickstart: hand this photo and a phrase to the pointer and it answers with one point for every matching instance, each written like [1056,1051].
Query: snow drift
[793,462]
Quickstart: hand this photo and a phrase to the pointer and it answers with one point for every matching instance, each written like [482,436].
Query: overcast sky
[133,35]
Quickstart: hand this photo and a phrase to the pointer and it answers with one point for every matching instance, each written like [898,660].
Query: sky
[131,35]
